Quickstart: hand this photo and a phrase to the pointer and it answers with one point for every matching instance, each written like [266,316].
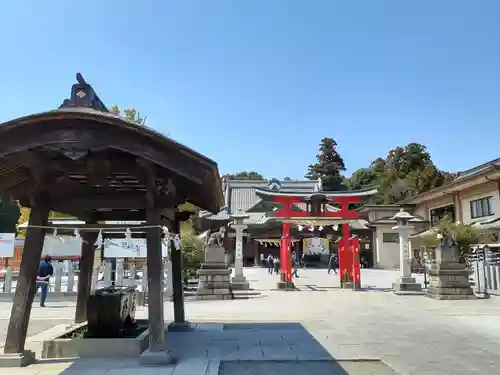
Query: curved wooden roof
[90,156]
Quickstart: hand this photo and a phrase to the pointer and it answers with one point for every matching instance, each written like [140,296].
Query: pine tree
[328,167]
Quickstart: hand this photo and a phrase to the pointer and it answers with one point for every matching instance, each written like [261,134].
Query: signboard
[7,244]
[239,249]
[316,245]
[123,248]
[61,246]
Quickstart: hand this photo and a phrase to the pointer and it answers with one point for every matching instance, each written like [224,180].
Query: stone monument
[405,283]
[448,279]
[214,275]
[239,281]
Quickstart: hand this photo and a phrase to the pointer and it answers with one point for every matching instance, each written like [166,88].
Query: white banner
[122,248]
[7,244]
[316,245]
[62,246]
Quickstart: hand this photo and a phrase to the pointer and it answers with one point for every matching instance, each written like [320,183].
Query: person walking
[45,271]
[332,263]
[295,272]
[270,263]
[277,265]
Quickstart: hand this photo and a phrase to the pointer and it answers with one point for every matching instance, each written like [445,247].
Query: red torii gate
[317,212]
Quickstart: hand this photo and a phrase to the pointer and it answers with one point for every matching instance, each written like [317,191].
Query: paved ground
[412,334]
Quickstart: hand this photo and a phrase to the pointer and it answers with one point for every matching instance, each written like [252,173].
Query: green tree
[405,172]
[130,114]
[192,253]
[245,175]
[287,179]
[10,212]
[328,167]
[464,235]
[362,178]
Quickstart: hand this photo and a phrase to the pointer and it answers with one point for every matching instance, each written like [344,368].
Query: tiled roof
[240,194]
[477,170]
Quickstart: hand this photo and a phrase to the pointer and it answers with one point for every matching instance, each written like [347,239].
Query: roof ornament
[83,95]
[274,185]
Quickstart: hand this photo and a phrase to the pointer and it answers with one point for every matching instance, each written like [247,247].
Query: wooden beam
[155,279]
[85,275]
[107,199]
[177,278]
[26,285]
[105,227]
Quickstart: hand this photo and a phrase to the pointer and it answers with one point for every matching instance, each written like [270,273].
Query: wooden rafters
[79,136]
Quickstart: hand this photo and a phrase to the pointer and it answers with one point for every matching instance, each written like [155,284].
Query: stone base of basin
[95,347]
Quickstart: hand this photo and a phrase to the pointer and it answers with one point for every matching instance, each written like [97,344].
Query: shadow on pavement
[373,288]
[232,349]
[244,348]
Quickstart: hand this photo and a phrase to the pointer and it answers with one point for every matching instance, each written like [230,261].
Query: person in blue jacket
[45,271]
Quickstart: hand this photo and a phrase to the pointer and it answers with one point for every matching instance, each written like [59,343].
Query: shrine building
[264,232]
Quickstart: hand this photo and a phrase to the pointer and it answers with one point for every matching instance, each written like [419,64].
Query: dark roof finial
[83,95]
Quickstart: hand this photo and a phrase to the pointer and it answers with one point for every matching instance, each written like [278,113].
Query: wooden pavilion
[84,161]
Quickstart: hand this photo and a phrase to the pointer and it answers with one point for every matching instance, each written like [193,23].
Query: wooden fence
[66,281]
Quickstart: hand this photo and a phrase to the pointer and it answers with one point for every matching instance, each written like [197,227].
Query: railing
[66,281]
[485,265]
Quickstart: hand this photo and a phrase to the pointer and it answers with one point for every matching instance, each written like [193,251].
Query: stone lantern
[239,281]
[405,282]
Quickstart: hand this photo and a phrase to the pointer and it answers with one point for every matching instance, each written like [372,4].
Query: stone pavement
[411,334]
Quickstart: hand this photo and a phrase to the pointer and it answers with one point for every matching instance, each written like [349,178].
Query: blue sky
[255,84]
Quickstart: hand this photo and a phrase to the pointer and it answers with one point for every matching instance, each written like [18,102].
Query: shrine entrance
[321,209]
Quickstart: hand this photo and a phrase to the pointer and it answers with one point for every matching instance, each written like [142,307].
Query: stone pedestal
[347,285]
[240,283]
[449,281]
[214,276]
[283,285]
[23,359]
[354,285]
[156,359]
[406,285]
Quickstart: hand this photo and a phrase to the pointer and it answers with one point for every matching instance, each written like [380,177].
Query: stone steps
[197,366]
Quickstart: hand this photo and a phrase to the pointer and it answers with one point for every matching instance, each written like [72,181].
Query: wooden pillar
[85,275]
[26,285]
[155,278]
[345,255]
[177,278]
[285,255]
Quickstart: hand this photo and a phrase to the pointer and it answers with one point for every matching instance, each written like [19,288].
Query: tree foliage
[192,249]
[245,175]
[404,173]
[464,235]
[130,114]
[329,166]
[10,212]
